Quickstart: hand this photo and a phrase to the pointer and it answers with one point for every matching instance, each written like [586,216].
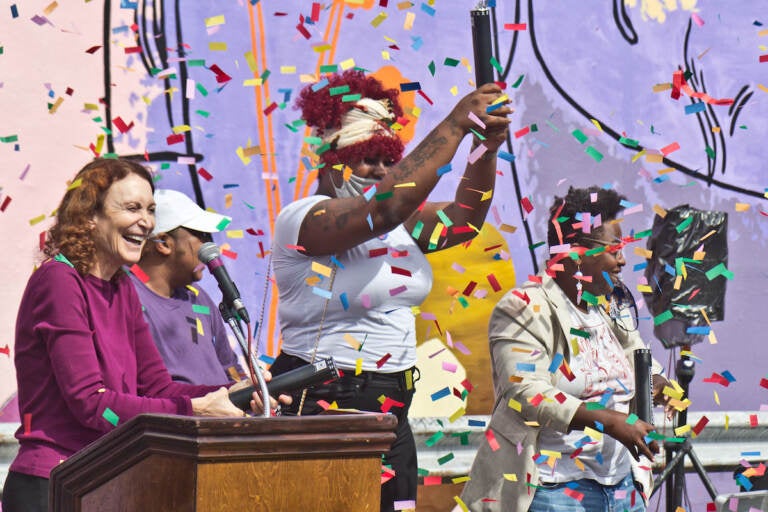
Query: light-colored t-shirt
[602,374]
[369,315]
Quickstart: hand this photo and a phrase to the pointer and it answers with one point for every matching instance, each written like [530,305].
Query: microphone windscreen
[209,251]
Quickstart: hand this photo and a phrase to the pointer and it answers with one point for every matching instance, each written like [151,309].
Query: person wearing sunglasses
[183,319]
[561,435]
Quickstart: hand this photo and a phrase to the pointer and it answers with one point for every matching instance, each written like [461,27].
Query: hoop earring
[579,286]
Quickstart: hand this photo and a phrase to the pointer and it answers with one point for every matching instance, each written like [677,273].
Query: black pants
[362,392]
[25,493]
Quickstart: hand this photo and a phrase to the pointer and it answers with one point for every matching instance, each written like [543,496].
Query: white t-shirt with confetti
[369,318]
[602,374]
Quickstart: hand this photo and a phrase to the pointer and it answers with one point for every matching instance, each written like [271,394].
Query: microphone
[643,385]
[210,255]
[299,378]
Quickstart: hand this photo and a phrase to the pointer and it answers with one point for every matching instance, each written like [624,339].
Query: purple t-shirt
[190,335]
[85,363]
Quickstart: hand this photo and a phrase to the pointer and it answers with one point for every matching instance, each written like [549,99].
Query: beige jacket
[521,332]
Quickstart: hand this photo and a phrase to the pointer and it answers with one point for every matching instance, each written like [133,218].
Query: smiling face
[123,225]
[184,265]
[611,260]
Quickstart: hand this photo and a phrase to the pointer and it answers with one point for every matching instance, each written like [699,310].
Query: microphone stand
[233,321]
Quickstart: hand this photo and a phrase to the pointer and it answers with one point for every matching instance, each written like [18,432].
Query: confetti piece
[110,416]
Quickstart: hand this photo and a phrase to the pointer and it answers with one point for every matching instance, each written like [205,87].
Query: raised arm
[338,224]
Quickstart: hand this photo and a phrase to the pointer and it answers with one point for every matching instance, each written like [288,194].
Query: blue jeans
[596,497]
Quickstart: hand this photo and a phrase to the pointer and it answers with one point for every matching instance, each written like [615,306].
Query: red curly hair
[72,235]
[324,112]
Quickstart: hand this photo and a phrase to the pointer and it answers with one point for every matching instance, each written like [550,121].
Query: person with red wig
[349,260]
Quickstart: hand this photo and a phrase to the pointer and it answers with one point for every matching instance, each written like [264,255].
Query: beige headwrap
[368,118]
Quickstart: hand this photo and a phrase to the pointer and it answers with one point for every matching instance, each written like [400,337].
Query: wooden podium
[177,463]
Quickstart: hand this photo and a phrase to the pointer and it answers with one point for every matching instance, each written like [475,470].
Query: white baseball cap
[174,209]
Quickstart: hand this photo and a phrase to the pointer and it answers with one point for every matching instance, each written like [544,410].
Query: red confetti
[433,480]
[515,26]
[303,31]
[389,403]
[133,49]
[763,58]
[423,95]
[578,496]
[700,425]
[560,397]
[399,254]
[175,138]
[120,124]
[522,131]
[383,360]
[764,382]
[522,295]
[401,271]
[27,423]
[470,287]
[5,204]
[493,282]
[204,174]
[666,150]
[753,420]
[527,205]
[136,270]
[229,254]
[272,106]
[492,440]
[467,385]
[315,16]
[93,49]
[534,279]
[373,253]
[221,76]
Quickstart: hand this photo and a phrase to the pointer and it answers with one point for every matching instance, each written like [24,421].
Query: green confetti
[110,416]
[632,418]
[663,317]
[223,224]
[451,62]
[351,98]
[434,438]
[629,142]
[719,270]
[444,218]
[329,68]
[445,458]
[201,309]
[416,233]
[579,333]
[431,68]
[384,195]
[681,227]
[595,406]
[335,91]
[536,245]
[496,65]
[579,136]
[518,82]
[595,154]
[710,152]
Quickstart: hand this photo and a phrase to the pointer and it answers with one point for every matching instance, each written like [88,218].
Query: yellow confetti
[717,398]
[75,184]
[514,404]
[235,233]
[50,8]
[193,290]
[347,64]
[460,503]
[658,210]
[352,342]
[287,70]
[199,327]
[742,207]
[408,184]
[409,19]
[510,476]
[252,82]
[679,431]
[638,155]
[762,87]
[217,46]
[654,158]
[379,19]
[507,228]
[457,414]
[643,253]
[56,105]
[460,479]
[594,434]
[214,21]
[385,55]
[597,124]
[644,288]
[454,90]
[181,128]
[359,366]
[37,220]
[319,268]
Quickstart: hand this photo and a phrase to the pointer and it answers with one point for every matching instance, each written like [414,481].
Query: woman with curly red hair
[85,359]
[349,260]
